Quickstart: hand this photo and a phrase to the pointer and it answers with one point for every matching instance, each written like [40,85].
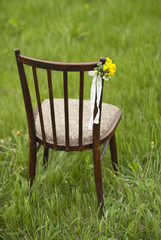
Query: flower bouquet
[102,71]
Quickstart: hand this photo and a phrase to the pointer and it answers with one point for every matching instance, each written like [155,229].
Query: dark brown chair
[71,133]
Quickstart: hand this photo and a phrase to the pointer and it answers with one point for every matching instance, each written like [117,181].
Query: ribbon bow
[96,87]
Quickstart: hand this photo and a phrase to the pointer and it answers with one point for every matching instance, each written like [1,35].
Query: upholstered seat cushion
[109,112]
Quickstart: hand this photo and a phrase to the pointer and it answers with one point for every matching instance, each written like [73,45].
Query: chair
[71,133]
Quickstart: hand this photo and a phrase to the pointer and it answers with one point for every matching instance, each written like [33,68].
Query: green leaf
[101,68]
[107,71]
[99,64]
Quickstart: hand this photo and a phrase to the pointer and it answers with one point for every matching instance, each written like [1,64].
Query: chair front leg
[98,176]
[32,161]
[113,151]
[46,155]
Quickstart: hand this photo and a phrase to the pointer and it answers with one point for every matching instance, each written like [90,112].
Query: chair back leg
[113,151]
[98,176]
[45,156]
[32,161]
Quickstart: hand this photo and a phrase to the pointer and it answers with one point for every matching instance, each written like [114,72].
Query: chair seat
[109,113]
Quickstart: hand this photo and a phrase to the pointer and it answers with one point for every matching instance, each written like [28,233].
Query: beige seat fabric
[109,113]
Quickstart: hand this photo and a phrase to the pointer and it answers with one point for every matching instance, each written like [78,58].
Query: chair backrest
[56,66]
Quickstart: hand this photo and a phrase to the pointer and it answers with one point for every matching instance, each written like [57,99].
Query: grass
[62,203]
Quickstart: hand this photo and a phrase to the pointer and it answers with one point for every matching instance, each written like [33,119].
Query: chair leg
[32,161]
[46,155]
[113,151]
[98,177]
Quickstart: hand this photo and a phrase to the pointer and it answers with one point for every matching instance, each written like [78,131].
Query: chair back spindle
[39,105]
[66,110]
[81,91]
[52,109]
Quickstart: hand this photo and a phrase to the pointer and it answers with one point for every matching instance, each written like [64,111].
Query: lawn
[63,202]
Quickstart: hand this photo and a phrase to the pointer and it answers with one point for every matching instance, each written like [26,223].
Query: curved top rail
[57,66]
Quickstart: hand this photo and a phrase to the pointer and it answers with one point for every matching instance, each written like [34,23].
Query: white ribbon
[95,87]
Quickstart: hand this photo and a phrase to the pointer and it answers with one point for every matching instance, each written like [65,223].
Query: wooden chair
[71,133]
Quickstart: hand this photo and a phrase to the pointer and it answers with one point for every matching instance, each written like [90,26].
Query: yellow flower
[18,132]
[152,142]
[111,73]
[108,64]
[112,68]
[108,59]
[11,201]
[105,68]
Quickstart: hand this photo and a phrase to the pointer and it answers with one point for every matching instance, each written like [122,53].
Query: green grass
[62,203]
